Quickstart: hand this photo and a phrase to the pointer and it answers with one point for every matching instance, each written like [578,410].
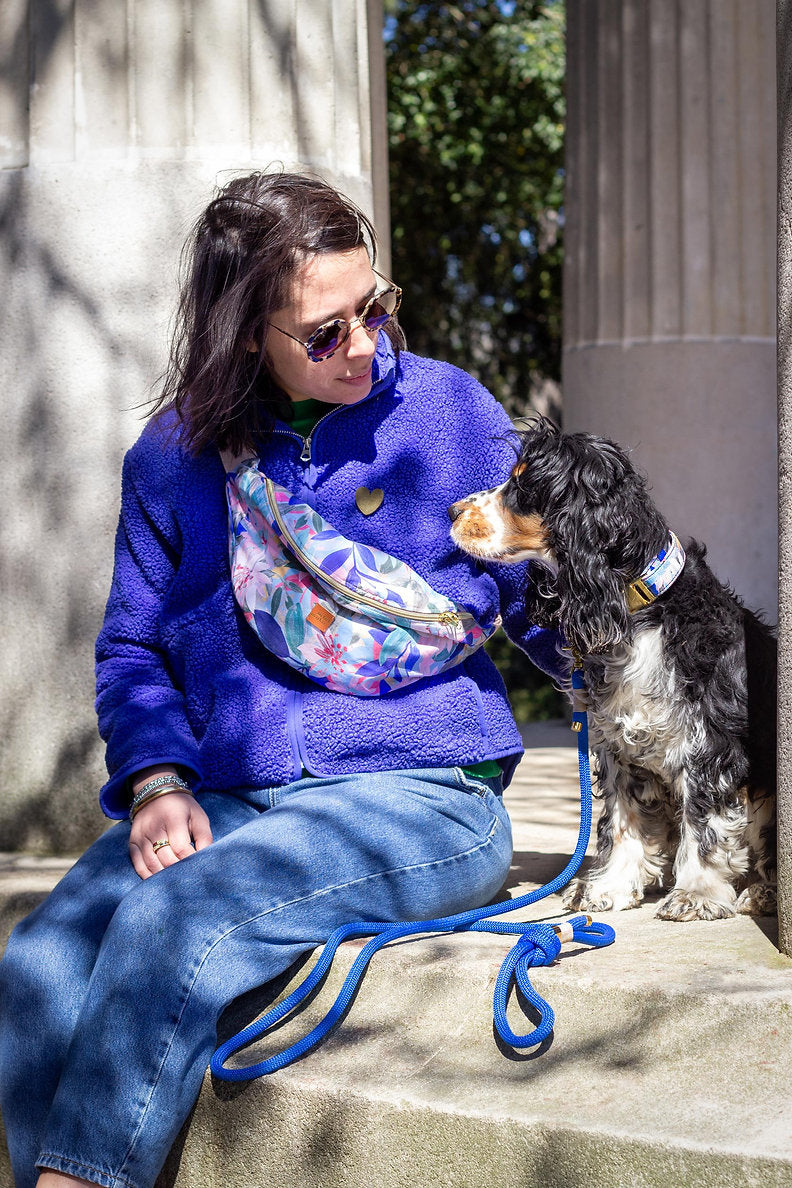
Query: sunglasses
[327,338]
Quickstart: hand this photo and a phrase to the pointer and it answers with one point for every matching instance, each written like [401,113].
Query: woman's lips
[357,380]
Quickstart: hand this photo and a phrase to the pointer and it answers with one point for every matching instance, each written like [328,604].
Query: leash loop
[538,944]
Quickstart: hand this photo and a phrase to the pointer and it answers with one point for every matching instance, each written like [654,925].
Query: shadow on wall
[90,236]
[46,822]
[71,370]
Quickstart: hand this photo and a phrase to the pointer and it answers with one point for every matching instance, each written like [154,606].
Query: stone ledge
[665,1069]
[670,1062]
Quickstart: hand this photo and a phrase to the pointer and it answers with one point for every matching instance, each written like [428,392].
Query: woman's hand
[177,818]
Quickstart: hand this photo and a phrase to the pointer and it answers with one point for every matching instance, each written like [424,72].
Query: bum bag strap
[231,460]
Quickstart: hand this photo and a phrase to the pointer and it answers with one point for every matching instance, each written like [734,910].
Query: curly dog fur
[681,692]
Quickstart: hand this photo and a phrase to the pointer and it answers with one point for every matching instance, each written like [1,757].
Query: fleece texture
[183,679]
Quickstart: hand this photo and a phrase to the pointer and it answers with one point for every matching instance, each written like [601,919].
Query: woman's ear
[252,346]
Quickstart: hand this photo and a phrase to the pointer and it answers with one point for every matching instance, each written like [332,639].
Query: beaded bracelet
[158,781]
[170,783]
[139,804]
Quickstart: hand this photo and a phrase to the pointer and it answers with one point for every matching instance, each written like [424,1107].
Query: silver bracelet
[172,781]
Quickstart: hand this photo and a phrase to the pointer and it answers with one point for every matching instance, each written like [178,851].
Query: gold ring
[159,844]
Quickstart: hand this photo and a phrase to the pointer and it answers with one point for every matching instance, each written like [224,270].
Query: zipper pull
[451,619]
[305,456]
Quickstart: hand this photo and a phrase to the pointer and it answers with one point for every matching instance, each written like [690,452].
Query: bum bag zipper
[449,618]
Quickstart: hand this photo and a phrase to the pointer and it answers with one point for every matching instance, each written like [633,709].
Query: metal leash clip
[579,697]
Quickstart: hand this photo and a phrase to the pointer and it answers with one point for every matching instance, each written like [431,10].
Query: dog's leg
[759,898]
[632,840]
[712,853]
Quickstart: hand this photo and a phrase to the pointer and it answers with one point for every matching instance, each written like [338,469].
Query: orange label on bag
[319,617]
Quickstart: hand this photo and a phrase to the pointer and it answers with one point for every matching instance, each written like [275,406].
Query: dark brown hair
[239,263]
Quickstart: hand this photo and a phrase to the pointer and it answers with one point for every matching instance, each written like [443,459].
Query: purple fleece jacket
[183,679]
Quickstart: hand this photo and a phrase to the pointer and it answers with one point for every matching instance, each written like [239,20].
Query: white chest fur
[636,711]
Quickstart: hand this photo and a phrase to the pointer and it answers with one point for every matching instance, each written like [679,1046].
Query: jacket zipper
[294,706]
[305,456]
[448,617]
[293,716]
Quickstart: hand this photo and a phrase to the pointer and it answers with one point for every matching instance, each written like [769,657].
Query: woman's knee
[56,944]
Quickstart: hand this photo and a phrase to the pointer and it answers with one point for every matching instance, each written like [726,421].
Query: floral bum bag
[351,617]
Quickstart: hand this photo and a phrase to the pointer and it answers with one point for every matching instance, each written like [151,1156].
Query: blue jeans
[112,988]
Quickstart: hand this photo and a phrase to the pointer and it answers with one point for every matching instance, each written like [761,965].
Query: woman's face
[327,286]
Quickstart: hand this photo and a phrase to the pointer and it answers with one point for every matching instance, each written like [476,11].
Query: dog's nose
[455,511]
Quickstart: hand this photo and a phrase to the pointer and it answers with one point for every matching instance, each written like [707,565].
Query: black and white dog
[681,678]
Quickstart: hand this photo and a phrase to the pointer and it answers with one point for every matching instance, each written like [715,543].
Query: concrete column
[785,475]
[116,121]
[669,338]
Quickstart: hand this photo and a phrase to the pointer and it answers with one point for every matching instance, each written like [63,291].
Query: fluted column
[117,118]
[784,56]
[669,338]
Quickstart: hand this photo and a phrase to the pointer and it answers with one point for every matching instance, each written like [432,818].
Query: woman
[267,808]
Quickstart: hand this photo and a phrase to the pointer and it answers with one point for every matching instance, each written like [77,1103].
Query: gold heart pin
[368,501]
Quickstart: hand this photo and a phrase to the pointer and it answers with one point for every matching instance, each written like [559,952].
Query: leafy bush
[475,134]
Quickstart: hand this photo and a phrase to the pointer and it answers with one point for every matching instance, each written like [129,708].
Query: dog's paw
[684,905]
[574,896]
[582,896]
[760,899]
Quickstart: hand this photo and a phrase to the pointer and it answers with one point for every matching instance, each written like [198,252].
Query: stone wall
[669,305]
[117,119]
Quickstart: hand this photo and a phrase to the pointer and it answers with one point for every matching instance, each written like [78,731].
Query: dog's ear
[542,605]
[593,612]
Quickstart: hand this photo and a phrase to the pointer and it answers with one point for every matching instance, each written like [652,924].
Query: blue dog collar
[659,575]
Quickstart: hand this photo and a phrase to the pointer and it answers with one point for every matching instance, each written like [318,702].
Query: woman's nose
[361,344]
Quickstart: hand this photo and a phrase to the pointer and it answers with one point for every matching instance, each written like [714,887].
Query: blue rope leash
[538,944]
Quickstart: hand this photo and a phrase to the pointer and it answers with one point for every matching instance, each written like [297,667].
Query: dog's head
[574,504]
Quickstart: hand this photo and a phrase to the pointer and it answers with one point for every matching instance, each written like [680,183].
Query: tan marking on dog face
[474,526]
[484,528]
[524,532]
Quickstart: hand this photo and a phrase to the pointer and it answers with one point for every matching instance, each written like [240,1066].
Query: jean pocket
[478,785]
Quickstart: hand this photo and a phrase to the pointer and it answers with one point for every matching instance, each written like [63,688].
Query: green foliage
[476,124]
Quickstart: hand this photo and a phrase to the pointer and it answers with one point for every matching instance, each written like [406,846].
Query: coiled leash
[538,944]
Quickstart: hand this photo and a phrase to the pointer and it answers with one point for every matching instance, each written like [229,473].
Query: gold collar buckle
[638,596]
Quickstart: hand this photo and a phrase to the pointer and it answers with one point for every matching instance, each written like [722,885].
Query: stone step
[670,1063]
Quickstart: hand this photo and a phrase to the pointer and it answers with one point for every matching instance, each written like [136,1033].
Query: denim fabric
[112,988]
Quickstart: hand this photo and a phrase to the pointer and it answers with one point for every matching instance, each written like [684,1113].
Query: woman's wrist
[145,774]
[152,783]
[143,801]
